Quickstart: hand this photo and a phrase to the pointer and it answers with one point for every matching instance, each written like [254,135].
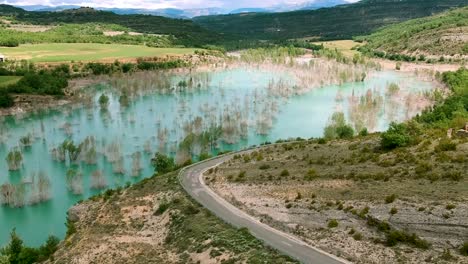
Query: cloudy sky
[154,4]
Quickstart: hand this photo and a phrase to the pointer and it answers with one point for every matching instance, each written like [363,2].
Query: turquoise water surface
[236,99]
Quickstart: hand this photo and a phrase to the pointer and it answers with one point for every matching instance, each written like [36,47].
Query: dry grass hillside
[354,200]
[155,222]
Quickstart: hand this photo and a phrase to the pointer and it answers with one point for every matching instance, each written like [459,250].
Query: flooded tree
[88,150]
[118,166]
[26,141]
[124,99]
[136,164]
[113,152]
[7,194]
[14,159]
[40,188]
[13,195]
[103,101]
[98,181]
[43,186]
[74,181]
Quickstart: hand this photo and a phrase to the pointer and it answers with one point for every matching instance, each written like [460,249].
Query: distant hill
[442,34]
[10,10]
[166,12]
[250,10]
[339,22]
[194,12]
[185,31]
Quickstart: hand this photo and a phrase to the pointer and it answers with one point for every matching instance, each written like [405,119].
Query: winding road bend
[192,181]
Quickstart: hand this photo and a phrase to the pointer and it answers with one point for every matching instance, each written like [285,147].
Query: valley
[330,135]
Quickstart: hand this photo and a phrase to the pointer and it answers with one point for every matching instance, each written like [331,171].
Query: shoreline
[29,103]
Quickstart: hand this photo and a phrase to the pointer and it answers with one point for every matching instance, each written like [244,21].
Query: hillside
[442,34]
[185,31]
[155,221]
[338,22]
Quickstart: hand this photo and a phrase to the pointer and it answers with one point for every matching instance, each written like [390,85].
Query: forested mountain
[340,22]
[442,34]
[186,32]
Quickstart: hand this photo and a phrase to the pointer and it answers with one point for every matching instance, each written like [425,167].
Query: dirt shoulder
[351,201]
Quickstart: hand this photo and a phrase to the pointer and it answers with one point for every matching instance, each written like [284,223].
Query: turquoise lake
[235,98]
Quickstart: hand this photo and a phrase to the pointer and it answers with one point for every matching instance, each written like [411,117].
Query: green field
[63,52]
[7,80]
[344,46]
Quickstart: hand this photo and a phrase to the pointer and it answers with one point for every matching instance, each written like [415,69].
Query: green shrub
[311,174]
[390,199]
[453,175]
[162,163]
[332,223]
[322,141]
[363,132]
[5,99]
[450,206]
[264,167]
[464,249]
[357,236]
[396,236]
[284,173]
[446,145]
[396,136]
[393,211]
[241,176]
[162,208]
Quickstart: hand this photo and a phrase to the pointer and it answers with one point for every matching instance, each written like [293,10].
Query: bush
[6,100]
[264,167]
[311,174]
[363,132]
[162,208]
[162,163]
[332,223]
[453,175]
[394,237]
[393,211]
[357,236]
[345,132]
[16,252]
[44,82]
[464,249]
[446,145]
[396,136]
[390,199]
[450,206]
[337,127]
[284,173]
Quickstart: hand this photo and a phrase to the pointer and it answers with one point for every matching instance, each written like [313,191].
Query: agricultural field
[7,80]
[65,52]
[344,46]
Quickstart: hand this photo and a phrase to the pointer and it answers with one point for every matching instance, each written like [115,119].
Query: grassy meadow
[7,80]
[64,52]
[344,46]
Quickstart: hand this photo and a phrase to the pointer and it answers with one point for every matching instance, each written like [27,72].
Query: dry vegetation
[356,201]
[155,222]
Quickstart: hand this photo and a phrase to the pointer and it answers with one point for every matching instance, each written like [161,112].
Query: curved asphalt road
[192,181]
